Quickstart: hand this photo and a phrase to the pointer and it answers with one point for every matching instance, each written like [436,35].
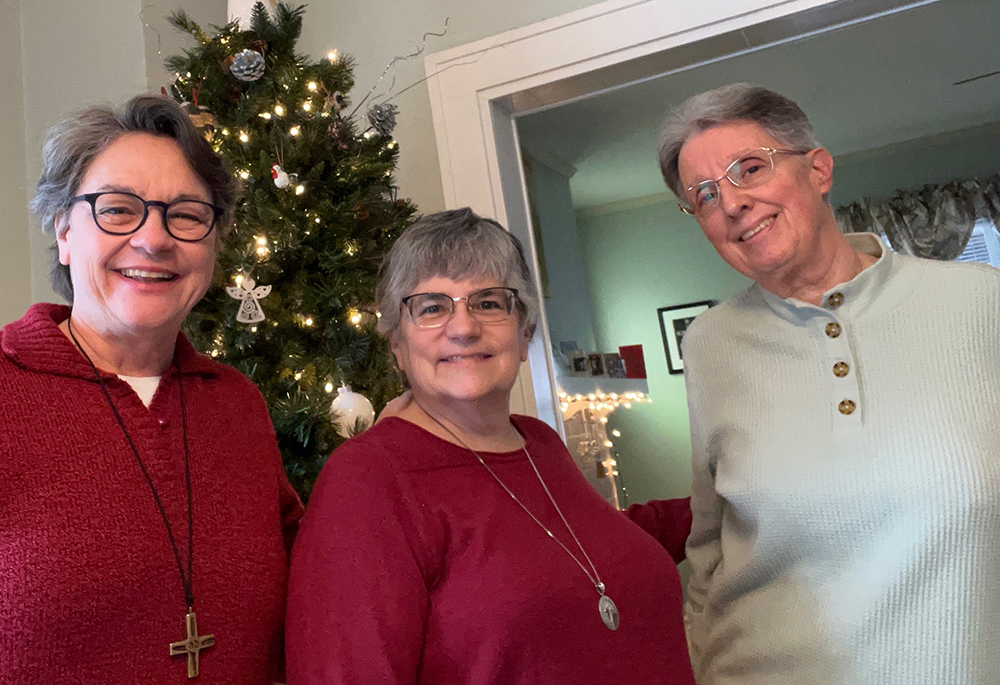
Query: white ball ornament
[350,409]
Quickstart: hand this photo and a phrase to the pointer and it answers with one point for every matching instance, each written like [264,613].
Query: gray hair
[456,244]
[780,117]
[73,144]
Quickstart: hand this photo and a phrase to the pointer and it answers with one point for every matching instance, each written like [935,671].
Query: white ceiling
[864,86]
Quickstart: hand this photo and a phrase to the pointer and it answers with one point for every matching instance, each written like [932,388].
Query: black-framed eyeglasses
[752,169]
[124,213]
[490,305]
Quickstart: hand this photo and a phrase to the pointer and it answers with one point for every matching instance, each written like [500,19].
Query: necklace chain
[594,578]
[186,579]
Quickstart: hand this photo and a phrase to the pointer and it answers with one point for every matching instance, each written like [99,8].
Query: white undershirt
[144,386]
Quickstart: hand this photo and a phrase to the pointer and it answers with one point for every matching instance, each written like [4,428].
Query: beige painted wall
[57,57]
[376,31]
[15,253]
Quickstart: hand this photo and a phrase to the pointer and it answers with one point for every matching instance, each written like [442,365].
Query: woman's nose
[462,323]
[153,236]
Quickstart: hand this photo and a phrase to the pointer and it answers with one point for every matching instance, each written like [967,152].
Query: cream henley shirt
[846,493]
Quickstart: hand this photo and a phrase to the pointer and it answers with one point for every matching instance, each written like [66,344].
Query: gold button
[833,330]
[846,407]
[840,369]
[835,300]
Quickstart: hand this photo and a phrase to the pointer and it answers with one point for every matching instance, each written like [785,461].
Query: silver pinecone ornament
[383,118]
[247,65]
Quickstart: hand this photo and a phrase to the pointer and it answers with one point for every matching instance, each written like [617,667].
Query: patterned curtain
[934,222]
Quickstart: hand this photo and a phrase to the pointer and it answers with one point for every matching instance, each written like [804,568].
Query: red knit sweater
[89,589]
[414,566]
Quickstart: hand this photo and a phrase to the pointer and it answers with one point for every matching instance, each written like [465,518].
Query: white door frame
[478,90]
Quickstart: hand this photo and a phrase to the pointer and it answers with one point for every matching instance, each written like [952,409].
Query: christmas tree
[292,302]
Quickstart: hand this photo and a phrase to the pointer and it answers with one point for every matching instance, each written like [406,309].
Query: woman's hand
[396,406]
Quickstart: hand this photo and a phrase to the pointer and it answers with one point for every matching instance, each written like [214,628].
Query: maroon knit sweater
[414,567]
[89,588]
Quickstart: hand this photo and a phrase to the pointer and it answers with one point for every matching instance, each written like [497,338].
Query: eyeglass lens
[122,213]
[435,309]
[749,171]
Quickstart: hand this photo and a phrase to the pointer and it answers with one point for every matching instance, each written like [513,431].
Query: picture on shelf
[595,364]
[578,363]
[674,322]
[614,366]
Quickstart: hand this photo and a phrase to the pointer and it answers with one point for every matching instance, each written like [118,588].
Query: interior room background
[882,94]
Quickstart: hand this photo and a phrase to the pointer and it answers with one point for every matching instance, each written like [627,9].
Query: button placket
[840,370]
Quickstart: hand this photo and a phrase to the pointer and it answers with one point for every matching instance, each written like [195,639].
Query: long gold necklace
[605,606]
[192,645]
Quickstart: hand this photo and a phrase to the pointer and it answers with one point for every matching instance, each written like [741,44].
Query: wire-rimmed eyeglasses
[751,170]
[125,213]
[490,305]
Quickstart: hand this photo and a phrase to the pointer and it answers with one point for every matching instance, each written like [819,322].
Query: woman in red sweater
[455,544]
[144,512]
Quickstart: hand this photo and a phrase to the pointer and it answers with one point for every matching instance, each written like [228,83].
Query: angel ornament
[248,295]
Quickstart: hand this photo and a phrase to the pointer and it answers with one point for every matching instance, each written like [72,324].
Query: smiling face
[770,231]
[464,360]
[145,282]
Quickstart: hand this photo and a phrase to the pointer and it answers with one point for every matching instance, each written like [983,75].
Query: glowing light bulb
[239,279]
[617,433]
[298,375]
[294,130]
[317,220]
[261,240]
[608,443]
[312,85]
[244,174]
[279,110]
[307,106]
[328,387]
[333,56]
[266,116]
[299,189]
[244,138]
[309,321]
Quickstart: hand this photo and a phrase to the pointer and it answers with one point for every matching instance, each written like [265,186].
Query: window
[984,245]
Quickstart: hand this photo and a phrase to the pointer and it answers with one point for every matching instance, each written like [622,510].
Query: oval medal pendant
[609,612]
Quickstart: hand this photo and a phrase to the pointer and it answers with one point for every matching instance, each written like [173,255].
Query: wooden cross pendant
[192,646]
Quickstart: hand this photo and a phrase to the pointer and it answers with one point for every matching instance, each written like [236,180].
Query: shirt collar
[860,294]
[35,342]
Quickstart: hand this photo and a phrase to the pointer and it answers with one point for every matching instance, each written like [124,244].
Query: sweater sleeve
[357,599]
[667,520]
[704,546]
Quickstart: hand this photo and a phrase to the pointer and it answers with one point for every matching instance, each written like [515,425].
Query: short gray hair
[780,117]
[73,144]
[456,244]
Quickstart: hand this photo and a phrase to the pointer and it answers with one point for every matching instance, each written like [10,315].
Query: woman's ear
[61,226]
[821,169]
[526,335]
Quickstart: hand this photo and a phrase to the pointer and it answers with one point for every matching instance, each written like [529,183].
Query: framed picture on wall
[673,325]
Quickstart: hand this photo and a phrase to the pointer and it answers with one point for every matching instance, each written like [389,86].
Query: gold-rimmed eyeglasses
[490,305]
[750,170]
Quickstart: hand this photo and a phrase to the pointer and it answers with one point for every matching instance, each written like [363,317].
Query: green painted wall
[641,258]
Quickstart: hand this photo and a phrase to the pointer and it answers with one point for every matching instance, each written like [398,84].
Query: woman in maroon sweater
[144,512]
[455,544]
